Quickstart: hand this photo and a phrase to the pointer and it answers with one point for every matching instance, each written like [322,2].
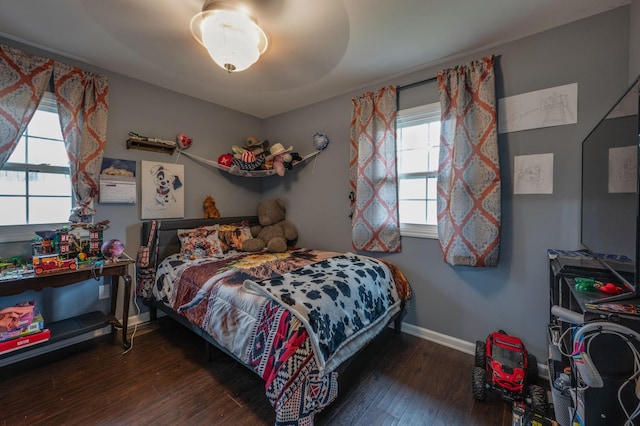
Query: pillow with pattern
[233,235]
[199,243]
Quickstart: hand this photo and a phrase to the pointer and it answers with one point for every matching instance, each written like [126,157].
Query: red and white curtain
[468,199]
[82,99]
[23,81]
[373,179]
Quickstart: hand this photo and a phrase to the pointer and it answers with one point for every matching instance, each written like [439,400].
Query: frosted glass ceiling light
[232,36]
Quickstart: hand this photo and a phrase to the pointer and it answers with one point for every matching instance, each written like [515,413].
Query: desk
[609,353]
[112,270]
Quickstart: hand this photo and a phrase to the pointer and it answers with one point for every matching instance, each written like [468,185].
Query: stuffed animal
[294,157]
[280,157]
[210,209]
[274,231]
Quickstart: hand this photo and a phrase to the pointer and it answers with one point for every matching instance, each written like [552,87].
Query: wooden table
[88,271]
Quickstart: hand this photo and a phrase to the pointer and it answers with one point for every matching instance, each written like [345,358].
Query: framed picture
[162,190]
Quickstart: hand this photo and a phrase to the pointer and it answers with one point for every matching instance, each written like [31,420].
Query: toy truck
[503,365]
[52,262]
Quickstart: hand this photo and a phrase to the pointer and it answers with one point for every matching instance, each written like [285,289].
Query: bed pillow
[233,235]
[199,243]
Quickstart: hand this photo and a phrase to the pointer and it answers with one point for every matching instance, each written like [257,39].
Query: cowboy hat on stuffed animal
[254,145]
[278,149]
[280,157]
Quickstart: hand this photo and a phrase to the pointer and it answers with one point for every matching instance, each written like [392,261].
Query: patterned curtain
[82,99]
[23,80]
[469,172]
[373,176]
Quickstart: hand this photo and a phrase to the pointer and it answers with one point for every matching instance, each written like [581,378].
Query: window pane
[32,193]
[413,161]
[432,188]
[19,154]
[46,125]
[13,183]
[49,210]
[432,212]
[434,153]
[432,195]
[49,184]
[44,151]
[413,212]
[414,137]
[13,211]
[412,189]
[418,152]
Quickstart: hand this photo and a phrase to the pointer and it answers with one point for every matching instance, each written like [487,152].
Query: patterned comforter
[292,317]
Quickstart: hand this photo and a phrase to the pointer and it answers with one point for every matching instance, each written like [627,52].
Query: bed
[294,318]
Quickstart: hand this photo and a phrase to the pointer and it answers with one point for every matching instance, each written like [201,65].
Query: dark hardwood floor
[166,380]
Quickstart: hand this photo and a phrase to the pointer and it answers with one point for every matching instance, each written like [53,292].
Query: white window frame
[25,232]
[421,114]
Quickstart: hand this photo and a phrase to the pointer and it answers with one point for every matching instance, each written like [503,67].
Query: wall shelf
[151,145]
[236,171]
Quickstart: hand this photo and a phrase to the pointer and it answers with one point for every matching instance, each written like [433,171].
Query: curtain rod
[417,83]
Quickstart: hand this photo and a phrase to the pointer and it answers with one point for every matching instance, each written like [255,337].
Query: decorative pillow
[198,243]
[233,235]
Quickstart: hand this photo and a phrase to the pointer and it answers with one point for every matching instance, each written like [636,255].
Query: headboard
[167,233]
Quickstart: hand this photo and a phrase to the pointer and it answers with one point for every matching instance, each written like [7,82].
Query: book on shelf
[25,341]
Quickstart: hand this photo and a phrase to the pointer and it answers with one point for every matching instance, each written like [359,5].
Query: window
[418,146]
[35,183]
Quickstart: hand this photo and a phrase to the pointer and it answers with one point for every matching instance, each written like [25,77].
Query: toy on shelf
[279,155]
[256,159]
[52,262]
[210,209]
[146,143]
[251,156]
[112,250]
[64,248]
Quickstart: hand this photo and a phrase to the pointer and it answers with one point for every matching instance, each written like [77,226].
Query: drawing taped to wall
[162,190]
[623,171]
[556,106]
[533,174]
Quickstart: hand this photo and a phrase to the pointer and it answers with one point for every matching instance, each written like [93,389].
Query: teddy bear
[210,209]
[273,232]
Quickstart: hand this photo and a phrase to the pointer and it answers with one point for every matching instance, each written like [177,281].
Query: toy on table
[52,262]
[590,284]
[112,250]
[585,284]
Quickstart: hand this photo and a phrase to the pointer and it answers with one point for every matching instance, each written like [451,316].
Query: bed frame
[168,243]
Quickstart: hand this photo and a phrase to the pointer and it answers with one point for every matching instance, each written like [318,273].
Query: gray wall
[463,303]
[468,303]
[153,111]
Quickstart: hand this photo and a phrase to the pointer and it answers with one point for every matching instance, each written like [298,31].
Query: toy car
[52,262]
[503,365]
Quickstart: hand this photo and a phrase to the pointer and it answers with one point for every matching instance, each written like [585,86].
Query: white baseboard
[457,344]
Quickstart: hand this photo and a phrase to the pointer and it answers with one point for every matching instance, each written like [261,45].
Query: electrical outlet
[103,292]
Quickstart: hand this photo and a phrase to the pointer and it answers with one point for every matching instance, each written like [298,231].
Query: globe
[112,249]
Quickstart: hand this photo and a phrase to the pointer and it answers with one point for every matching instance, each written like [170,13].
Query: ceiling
[318,49]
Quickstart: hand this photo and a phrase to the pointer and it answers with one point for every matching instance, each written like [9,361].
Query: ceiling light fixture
[230,34]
